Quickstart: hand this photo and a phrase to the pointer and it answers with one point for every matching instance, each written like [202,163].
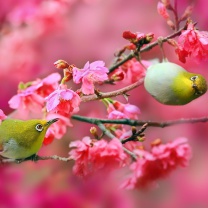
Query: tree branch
[36,158]
[113,93]
[140,122]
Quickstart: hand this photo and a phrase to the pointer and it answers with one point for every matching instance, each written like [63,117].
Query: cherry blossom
[93,156]
[58,129]
[161,161]
[192,43]
[35,92]
[94,72]
[118,110]
[31,96]
[132,71]
[63,101]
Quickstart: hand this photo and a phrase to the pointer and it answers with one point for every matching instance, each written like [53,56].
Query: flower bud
[156,142]
[61,64]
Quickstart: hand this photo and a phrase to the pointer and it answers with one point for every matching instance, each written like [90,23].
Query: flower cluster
[31,96]
[192,43]
[94,156]
[162,160]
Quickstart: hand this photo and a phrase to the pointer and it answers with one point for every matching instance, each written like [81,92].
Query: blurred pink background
[34,34]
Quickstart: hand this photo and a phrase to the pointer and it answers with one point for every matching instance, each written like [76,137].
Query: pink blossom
[92,157]
[133,71]
[192,43]
[2,116]
[174,153]
[116,115]
[63,101]
[31,98]
[27,100]
[118,110]
[90,74]
[57,130]
[158,163]
[48,84]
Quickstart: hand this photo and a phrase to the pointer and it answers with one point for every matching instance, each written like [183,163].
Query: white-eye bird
[22,139]
[171,84]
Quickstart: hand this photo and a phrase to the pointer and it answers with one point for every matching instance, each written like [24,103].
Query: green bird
[21,139]
[171,84]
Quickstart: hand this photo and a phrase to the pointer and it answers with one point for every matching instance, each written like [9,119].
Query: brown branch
[36,158]
[112,93]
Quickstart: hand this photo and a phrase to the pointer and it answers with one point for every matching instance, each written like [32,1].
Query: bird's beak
[52,121]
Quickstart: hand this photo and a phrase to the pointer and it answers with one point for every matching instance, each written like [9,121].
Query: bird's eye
[194,78]
[39,127]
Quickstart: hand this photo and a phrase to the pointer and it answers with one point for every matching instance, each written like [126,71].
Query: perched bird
[171,84]
[22,139]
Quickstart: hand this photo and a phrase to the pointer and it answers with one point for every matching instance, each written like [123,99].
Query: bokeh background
[36,33]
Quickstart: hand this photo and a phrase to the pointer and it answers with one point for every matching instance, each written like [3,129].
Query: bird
[20,139]
[171,84]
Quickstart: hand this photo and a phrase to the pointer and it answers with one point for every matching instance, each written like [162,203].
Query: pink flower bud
[187,12]
[129,35]
[162,10]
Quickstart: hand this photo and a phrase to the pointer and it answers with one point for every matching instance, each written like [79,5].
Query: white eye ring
[39,127]
[194,78]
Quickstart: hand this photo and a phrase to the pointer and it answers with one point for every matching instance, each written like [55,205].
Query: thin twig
[104,130]
[110,135]
[134,136]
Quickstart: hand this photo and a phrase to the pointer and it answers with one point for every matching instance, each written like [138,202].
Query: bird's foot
[33,158]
